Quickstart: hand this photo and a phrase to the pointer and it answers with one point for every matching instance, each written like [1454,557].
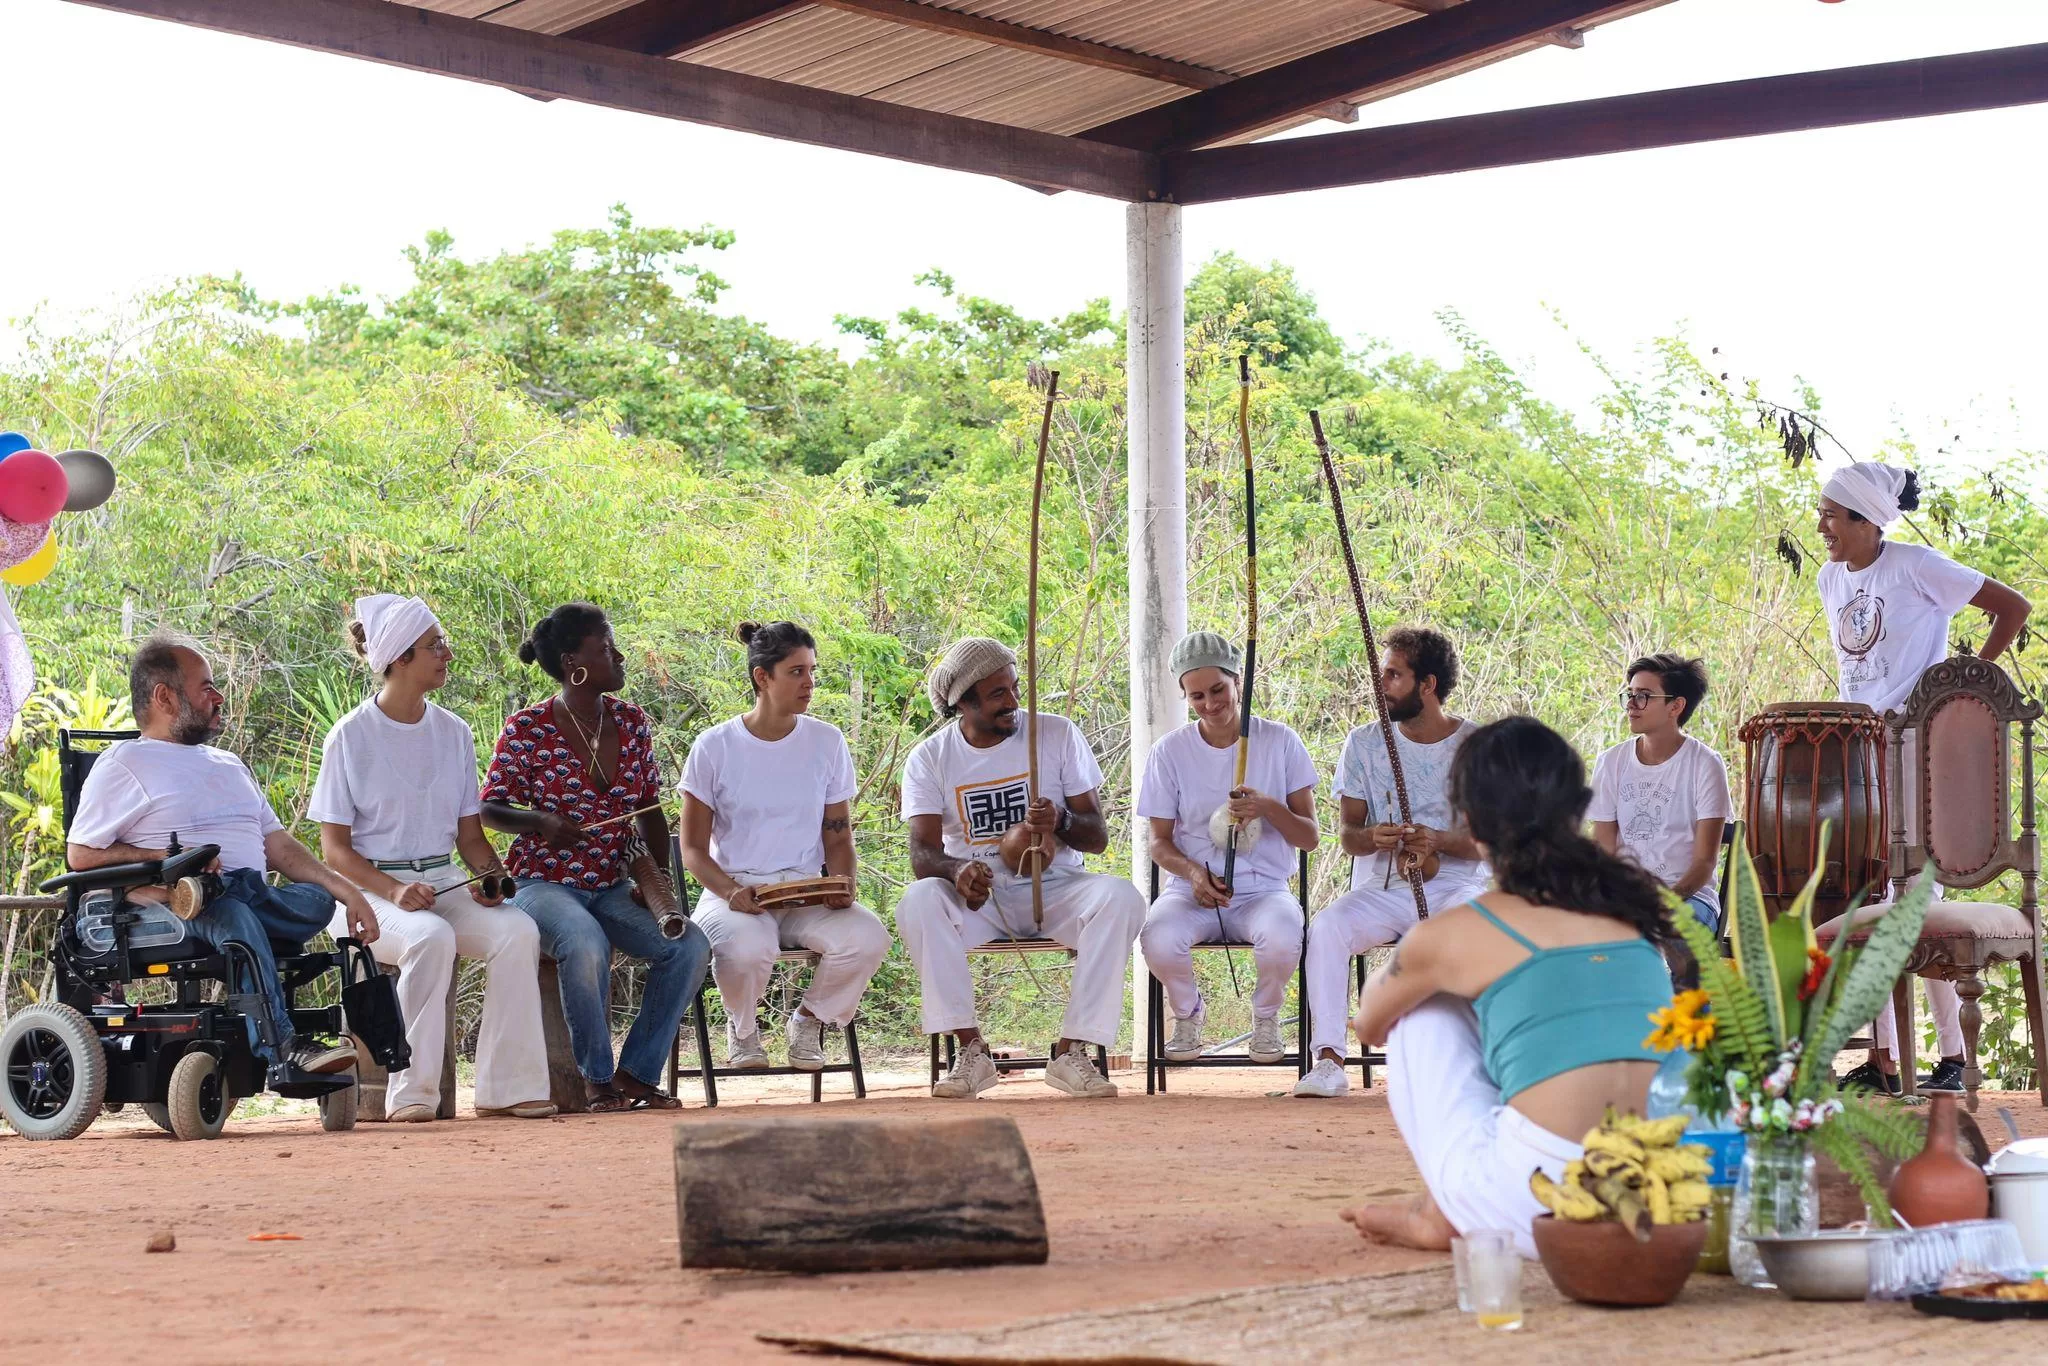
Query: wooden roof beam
[1001,33]
[1996,79]
[1557,37]
[669,28]
[1390,59]
[492,54]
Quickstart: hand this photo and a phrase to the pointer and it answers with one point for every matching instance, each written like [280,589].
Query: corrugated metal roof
[828,48]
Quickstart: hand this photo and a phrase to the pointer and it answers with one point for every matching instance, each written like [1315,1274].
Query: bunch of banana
[1635,1171]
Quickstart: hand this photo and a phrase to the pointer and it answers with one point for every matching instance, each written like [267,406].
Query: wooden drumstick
[614,820]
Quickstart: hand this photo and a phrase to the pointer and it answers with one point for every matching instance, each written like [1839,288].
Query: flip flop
[655,1100]
[609,1103]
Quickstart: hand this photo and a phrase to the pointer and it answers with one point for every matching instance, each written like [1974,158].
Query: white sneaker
[1186,1043]
[974,1071]
[806,1038]
[1326,1079]
[744,1050]
[1074,1072]
[1266,1044]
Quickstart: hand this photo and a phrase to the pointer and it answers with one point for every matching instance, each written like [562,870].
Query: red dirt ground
[499,1239]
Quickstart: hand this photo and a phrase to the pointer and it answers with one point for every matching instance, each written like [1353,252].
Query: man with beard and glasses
[1419,668]
[963,790]
[171,782]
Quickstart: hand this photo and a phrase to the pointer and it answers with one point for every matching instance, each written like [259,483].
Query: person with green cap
[1192,798]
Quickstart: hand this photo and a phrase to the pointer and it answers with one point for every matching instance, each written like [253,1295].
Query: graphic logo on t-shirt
[988,809]
[1645,800]
[1859,625]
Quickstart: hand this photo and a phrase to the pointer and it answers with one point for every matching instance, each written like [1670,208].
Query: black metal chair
[1155,1006]
[1010,1063]
[699,1020]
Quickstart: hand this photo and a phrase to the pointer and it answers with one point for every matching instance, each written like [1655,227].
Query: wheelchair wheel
[338,1110]
[55,1073]
[159,1114]
[198,1102]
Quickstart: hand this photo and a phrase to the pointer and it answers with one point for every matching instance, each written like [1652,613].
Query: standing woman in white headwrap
[397,791]
[1889,605]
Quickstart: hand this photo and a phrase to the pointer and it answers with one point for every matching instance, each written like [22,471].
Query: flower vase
[1776,1195]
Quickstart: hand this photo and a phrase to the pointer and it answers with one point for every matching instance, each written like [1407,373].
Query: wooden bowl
[1600,1263]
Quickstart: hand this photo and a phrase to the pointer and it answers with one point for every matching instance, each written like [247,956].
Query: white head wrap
[390,626]
[966,664]
[1869,487]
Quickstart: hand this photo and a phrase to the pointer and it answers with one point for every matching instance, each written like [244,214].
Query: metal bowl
[1833,1264]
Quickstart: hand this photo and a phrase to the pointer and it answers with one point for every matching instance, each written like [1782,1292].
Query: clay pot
[1941,1185]
[1602,1263]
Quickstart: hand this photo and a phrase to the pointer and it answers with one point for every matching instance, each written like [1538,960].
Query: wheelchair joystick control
[189,895]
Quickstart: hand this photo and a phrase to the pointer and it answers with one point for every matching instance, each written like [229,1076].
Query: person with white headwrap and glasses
[964,788]
[1889,605]
[397,790]
[1190,794]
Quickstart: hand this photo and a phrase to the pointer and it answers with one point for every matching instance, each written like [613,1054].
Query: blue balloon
[10,442]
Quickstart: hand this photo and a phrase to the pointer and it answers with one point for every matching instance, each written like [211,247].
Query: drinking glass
[1494,1270]
[1464,1274]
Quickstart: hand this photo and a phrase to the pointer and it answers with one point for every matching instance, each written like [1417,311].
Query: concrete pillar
[1155,364]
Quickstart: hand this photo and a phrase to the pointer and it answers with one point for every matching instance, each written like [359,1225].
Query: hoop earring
[579,677]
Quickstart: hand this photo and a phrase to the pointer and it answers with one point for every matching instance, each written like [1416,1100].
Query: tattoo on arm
[1394,963]
[837,824]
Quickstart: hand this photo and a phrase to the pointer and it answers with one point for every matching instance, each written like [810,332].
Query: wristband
[1062,822]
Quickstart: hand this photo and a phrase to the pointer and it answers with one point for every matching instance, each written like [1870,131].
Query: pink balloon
[33,487]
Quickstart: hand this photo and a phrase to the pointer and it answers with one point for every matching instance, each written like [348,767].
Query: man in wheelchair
[170,785]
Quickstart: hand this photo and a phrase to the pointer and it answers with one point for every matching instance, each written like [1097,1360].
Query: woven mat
[1412,1316]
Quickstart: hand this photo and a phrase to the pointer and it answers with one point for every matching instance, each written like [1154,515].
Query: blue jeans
[251,912]
[1705,912]
[579,930]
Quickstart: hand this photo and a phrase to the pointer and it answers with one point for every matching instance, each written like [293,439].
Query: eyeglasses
[1633,700]
[442,646]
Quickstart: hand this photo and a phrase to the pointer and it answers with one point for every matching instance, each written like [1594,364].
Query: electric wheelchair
[185,1062]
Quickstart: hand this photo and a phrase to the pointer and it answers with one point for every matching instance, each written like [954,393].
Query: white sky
[1898,266]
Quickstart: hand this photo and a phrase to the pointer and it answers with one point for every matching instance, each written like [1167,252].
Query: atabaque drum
[1805,764]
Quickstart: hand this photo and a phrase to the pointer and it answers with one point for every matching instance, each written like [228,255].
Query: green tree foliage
[580,420]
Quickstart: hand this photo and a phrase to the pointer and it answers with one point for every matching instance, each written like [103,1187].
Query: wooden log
[565,1082]
[830,1194]
[372,1081]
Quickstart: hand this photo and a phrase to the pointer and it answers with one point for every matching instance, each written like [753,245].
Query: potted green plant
[1764,1028]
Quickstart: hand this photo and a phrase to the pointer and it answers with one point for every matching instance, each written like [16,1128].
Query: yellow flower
[1680,1024]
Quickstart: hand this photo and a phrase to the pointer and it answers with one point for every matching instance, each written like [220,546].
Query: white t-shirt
[768,797]
[980,793]
[1889,622]
[399,788]
[1187,778]
[143,791]
[1364,774]
[1659,806]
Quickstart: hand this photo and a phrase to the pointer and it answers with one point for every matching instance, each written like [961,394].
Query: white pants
[1269,921]
[1948,1021]
[511,1057]
[1366,918]
[1475,1154]
[1094,914]
[850,945]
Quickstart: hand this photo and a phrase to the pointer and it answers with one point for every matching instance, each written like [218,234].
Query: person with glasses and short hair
[397,791]
[1660,797]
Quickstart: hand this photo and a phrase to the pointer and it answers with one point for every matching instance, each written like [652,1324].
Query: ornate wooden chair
[1961,787]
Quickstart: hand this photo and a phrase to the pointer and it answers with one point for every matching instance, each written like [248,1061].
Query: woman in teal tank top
[1513,1021]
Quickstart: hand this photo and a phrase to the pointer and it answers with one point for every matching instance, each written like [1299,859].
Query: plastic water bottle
[1724,1144]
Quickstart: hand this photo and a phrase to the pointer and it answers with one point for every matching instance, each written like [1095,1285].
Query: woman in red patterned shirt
[571,762]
